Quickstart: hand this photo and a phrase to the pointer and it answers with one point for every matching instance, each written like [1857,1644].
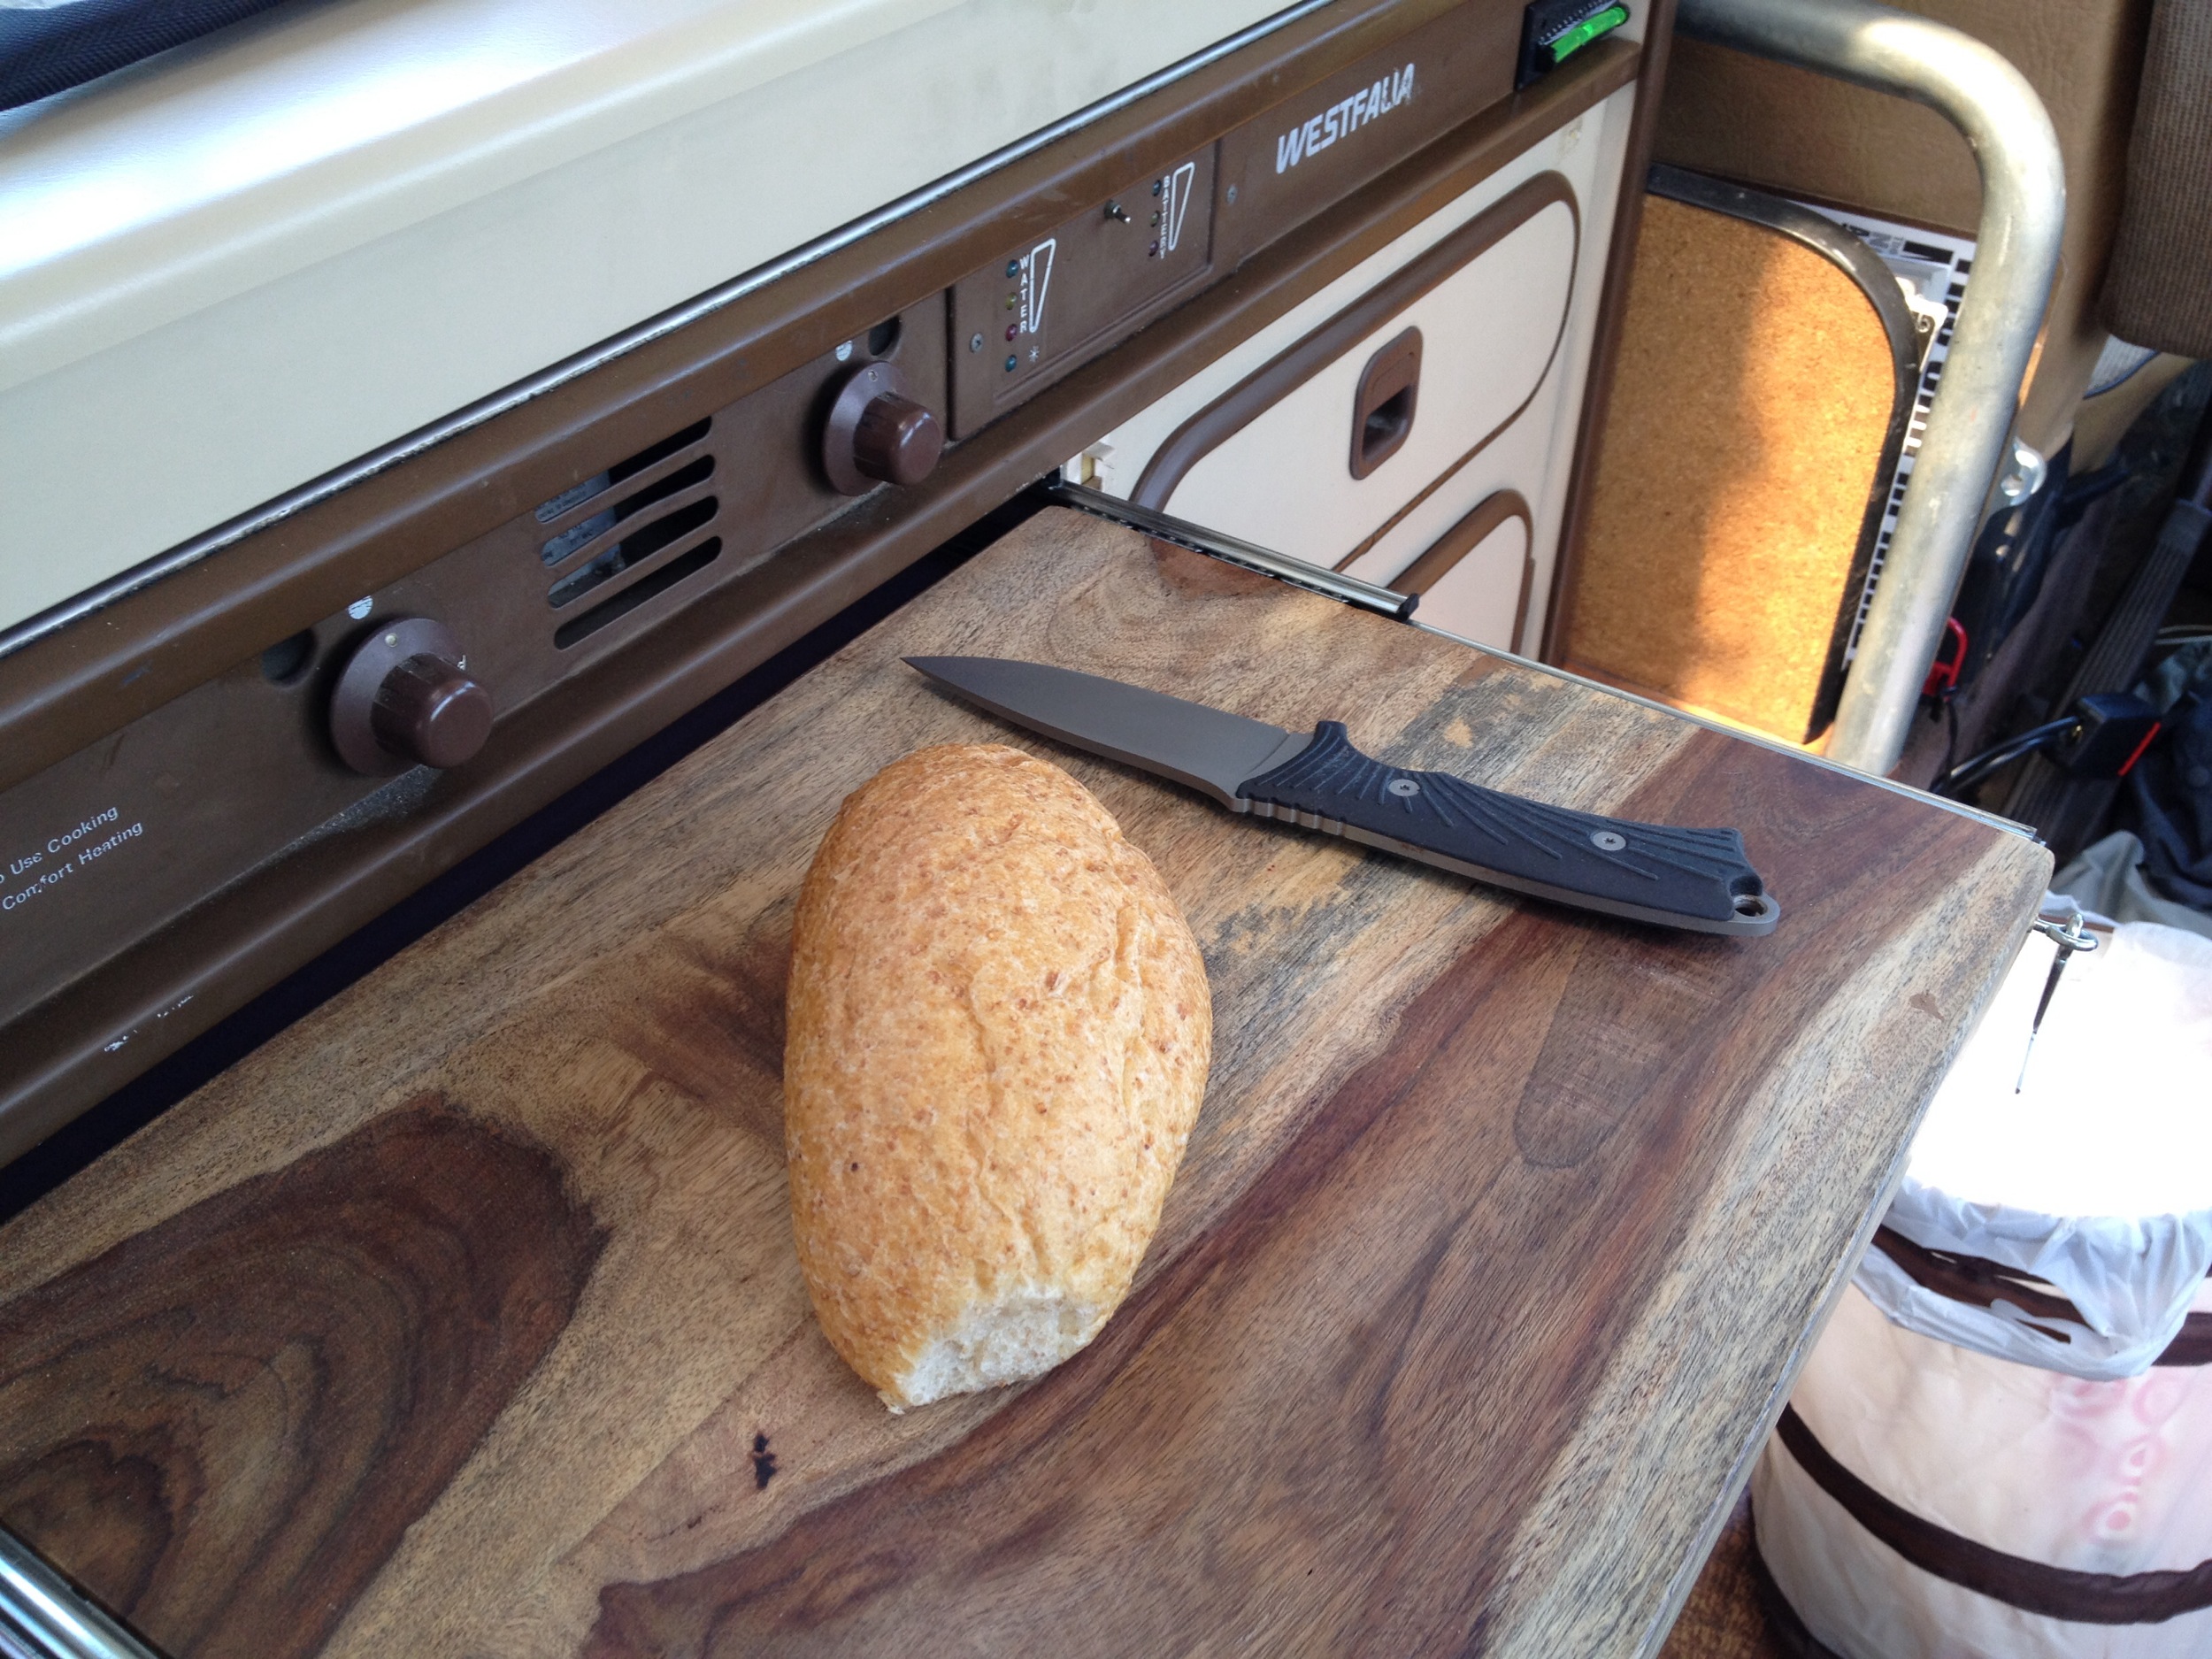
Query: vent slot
[633,549]
[577,494]
[630,597]
[592,528]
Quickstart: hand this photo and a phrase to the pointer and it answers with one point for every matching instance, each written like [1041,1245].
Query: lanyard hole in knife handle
[1694,879]
[1245,555]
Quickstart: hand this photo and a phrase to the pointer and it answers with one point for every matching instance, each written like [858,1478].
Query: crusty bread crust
[998,1035]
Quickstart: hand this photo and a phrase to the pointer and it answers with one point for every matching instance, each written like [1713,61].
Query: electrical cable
[1947,709]
[1974,768]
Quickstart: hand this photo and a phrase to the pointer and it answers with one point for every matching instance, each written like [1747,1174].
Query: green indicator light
[1583,33]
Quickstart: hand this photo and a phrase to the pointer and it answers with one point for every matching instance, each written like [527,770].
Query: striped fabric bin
[2001,1446]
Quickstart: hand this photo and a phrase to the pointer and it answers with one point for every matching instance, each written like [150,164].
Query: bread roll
[999,1031]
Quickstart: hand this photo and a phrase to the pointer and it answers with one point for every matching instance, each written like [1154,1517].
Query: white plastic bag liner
[2095,1178]
[2108,1477]
[1953,1481]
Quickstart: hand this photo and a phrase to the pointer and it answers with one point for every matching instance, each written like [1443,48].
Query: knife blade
[1698,880]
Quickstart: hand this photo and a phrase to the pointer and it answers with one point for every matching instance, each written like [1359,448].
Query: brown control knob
[431,712]
[876,433]
[897,440]
[405,699]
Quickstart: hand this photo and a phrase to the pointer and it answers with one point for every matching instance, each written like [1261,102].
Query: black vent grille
[554,551]
[645,541]
[630,552]
[637,592]
[622,471]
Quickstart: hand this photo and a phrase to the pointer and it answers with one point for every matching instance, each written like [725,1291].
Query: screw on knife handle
[1693,878]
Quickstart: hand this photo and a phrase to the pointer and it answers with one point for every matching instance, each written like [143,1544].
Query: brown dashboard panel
[64,690]
[236,770]
[1027,317]
[1314,149]
[130,1000]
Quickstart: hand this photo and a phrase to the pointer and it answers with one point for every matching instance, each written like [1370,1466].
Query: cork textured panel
[1755,392]
[1801,133]
[464,1318]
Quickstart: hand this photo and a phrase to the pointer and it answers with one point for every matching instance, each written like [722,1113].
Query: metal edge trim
[46,1610]
[1345,589]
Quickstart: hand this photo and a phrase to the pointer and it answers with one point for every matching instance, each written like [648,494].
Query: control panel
[351,721]
[1040,312]
[1023,322]
[265,788]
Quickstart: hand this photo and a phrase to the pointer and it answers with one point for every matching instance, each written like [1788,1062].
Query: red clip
[1943,677]
[2128,765]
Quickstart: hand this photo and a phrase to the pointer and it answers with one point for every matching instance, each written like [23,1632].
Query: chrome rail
[1313,578]
[43,1616]
[2023,212]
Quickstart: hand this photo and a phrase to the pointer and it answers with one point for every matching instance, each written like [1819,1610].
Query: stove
[410,408]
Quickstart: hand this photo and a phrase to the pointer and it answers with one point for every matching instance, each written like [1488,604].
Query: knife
[1693,878]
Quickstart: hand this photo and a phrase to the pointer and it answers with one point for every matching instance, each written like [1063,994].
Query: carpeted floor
[1724,1617]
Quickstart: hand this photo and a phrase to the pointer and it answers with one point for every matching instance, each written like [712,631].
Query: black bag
[2005,571]
[2171,787]
[48,48]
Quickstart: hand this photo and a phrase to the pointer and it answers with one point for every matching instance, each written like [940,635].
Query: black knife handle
[1695,879]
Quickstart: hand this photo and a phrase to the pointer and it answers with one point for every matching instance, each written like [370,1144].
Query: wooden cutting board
[463,1319]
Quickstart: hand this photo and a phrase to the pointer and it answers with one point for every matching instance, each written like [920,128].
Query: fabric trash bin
[2000,1446]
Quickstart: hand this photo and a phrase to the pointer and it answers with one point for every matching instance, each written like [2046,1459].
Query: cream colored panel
[230,271]
[1477,598]
[1488,333]
[255,153]
[1515,458]
[1534,454]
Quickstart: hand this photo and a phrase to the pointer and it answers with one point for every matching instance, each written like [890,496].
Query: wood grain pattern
[1496,1244]
[228,1421]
